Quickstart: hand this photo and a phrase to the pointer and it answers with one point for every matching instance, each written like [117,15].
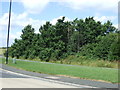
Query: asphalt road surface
[11,79]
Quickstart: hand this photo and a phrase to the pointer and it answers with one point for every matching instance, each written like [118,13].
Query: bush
[114,53]
[106,48]
[45,54]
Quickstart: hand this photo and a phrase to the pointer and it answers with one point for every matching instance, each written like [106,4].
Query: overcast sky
[37,12]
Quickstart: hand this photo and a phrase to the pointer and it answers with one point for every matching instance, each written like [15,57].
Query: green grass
[84,72]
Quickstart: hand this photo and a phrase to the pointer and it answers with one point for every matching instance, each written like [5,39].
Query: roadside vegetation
[83,72]
[85,61]
[82,61]
[82,42]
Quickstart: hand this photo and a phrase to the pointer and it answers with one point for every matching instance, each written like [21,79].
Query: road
[16,78]
[11,79]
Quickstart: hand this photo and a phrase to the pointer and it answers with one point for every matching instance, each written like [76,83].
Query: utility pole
[8,31]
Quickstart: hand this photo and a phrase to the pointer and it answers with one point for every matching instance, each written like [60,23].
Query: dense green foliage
[106,48]
[53,42]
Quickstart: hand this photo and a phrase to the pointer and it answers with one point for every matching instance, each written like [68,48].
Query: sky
[37,12]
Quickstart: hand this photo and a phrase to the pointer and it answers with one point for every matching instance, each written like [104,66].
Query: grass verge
[84,72]
[82,60]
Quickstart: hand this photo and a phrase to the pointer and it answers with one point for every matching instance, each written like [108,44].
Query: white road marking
[51,81]
[51,77]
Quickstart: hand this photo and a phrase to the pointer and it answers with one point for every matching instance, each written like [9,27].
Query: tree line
[86,37]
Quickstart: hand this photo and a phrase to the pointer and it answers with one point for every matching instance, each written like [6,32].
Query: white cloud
[115,25]
[15,18]
[3,38]
[31,6]
[35,6]
[18,22]
[105,18]
[38,5]
[53,21]
[97,4]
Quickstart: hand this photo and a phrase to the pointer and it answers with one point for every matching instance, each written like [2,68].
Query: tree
[87,37]
[23,47]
